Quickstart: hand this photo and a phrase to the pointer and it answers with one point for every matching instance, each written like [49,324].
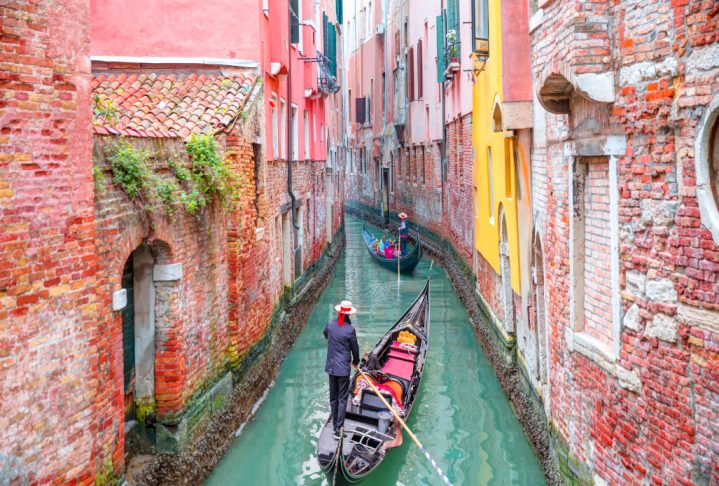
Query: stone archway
[506,275]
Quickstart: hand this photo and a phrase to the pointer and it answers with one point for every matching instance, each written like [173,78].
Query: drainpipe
[289,116]
[443,152]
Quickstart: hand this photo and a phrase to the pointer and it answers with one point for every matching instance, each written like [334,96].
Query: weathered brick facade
[215,277]
[50,356]
[633,391]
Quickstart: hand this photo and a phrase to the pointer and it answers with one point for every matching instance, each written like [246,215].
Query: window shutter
[333,48]
[295,24]
[451,16]
[440,49]
[368,115]
[360,110]
[410,75]
[338,11]
[420,68]
[325,34]
[457,28]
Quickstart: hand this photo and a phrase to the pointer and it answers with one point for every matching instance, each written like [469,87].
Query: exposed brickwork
[50,359]
[646,416]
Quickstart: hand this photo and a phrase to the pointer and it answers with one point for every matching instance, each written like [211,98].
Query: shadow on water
[461,415]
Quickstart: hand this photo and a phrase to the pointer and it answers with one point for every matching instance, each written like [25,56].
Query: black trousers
[339,393]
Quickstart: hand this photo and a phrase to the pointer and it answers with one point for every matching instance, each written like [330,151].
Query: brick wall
[50,360]
[646,413]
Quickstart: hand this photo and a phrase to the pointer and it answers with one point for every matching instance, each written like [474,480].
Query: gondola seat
[399,367]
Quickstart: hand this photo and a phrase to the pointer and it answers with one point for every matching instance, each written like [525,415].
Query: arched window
[714,160]
[706,152]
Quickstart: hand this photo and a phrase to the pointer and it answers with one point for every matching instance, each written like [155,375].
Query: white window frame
[275,128]
[295,115]
[283,136]
[306,130]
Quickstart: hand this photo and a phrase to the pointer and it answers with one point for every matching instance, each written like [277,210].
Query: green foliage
[129,168]
[211,178]
[99,177]
[106,475]
[207,179]
[104,110]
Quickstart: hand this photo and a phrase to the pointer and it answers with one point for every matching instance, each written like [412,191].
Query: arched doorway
[506,275]
[138,346]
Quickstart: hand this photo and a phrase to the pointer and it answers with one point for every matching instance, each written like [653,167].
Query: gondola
[407,263]
[396,365]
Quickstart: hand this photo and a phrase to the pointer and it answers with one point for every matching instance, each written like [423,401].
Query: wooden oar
[404,426]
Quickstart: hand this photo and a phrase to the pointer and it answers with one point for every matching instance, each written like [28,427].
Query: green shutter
[440,49]
[295,24]
[457,22]
[338,9]
[333,49]
[451,16]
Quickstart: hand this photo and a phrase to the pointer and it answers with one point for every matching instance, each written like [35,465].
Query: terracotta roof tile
[168,105]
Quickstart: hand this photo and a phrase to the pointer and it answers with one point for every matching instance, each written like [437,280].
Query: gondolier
[403,233]
[342,351]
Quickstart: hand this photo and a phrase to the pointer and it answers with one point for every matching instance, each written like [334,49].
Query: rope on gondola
[404,426]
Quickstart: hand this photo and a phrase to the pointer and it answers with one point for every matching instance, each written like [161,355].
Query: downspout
[385,84]
[289,117]
[443,152]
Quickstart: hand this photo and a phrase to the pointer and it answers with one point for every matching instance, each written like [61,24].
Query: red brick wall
[50,361]
[597,255]
[651,414]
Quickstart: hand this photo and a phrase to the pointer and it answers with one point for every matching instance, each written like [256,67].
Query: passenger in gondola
[389,252]
[403,233]
[383,246]
[342,350]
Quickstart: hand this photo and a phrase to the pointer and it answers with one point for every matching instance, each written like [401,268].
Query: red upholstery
[399,367]
[400,355]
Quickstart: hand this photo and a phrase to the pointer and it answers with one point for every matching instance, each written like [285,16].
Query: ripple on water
[461,414]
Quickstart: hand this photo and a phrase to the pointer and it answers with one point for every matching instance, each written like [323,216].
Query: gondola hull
[407,263]
[397,365]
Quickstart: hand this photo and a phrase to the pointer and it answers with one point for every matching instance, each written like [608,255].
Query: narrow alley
[316,241]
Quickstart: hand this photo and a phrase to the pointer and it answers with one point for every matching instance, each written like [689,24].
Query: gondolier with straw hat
[342,352]
[403,233]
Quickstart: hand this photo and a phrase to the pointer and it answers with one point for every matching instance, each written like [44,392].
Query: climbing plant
[207,179]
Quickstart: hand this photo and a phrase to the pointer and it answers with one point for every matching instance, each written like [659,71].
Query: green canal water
[461,415]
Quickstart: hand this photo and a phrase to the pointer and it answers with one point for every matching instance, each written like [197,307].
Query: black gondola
[396,365]
[407,263]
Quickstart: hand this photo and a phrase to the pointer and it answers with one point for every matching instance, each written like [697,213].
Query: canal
[462,416]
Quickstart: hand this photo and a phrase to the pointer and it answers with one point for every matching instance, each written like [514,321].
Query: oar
[399,256]
[404,426]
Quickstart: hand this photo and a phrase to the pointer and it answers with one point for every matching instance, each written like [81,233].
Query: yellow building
[496,236]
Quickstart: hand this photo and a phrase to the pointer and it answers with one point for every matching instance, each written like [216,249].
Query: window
[480,25]
[410,74]
[295,134]
[360,111]
[490,181]
[275,128]
[424,167]
[706,162]
[371,93]
[283,134]
[306,126]
[349,104]
[420,90]
[714,158]
[266,7]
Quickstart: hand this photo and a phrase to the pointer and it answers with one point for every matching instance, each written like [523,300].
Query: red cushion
[400,355]
[399,368]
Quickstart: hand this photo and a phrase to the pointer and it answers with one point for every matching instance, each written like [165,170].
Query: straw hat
[403,215]
[345,307]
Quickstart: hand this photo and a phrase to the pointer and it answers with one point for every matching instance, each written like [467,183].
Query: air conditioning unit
[379,29]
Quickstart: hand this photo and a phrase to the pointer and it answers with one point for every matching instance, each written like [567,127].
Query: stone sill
[536,20]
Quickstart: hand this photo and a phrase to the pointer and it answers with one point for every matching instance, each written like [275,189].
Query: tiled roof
[167,105]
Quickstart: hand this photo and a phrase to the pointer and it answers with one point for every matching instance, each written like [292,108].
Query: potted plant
[452,44]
